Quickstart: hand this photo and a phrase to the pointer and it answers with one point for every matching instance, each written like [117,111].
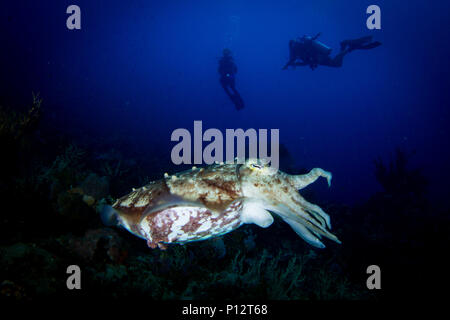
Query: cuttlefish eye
[256,166]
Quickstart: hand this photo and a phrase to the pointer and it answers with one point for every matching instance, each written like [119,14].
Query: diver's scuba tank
[318,46]
[321,48]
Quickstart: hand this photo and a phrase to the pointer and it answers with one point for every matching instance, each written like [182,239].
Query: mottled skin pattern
[202,203]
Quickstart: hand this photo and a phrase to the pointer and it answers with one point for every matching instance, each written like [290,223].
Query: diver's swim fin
[359,43]
[238,102]
[370,45]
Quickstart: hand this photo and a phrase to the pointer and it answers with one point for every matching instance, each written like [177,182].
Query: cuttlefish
[202,203]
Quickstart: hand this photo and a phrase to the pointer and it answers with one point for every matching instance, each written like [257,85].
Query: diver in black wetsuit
[227,70]
[308,51]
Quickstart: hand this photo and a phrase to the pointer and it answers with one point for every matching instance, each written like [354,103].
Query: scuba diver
[308,51]
[227,70]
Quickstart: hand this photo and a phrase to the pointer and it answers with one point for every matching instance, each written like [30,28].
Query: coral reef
[397,179]
[65,171]
[37,269]
[14,125]
[99,245]
[95,186]
[15,131]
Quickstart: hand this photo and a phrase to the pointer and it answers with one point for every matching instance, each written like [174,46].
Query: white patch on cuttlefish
[182,218]
[129,200]
[142,202]
[204,227]
[144,230]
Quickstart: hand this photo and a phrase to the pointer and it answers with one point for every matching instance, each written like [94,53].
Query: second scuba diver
[308,51]
[227,70]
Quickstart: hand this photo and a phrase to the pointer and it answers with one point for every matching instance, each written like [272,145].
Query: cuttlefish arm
[303,180]
[308,220]
[277,192]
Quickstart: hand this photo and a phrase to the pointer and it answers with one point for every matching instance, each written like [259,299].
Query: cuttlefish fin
[169,201]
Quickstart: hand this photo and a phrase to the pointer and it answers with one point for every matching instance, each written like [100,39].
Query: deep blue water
[141,69]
